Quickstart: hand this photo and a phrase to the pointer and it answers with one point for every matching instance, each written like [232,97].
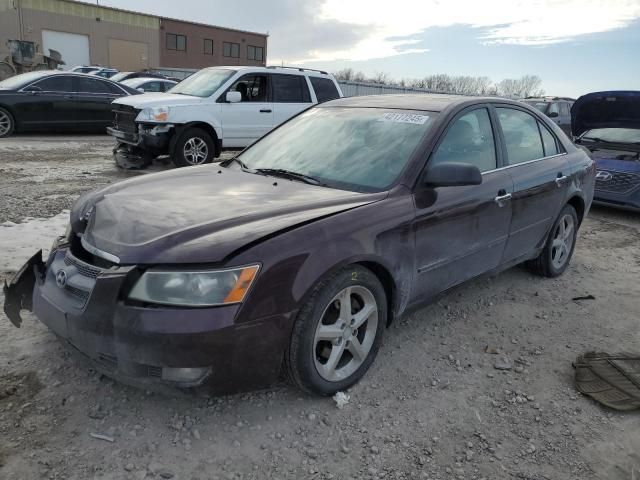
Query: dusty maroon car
[298,253]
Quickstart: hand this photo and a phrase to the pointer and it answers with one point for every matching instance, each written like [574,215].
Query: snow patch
[19,241]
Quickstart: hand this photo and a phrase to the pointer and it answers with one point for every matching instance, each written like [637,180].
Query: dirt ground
[433,405]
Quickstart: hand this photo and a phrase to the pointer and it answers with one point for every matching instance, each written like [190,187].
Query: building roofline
[159,17]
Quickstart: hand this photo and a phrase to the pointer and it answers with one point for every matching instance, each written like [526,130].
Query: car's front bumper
[155,139]
[149,346]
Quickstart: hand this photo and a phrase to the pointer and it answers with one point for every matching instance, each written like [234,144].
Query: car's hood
[200,214]
[618,109]
[147,100]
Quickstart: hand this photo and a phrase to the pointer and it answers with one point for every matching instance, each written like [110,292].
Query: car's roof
[431,102]
[548,99]
[133,81]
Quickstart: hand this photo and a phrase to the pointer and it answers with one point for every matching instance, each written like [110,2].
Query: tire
[320,341]
[558,250]
[7,123]
[199,143]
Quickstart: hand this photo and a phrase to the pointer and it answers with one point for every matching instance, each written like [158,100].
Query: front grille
[124,118]
[620,182]
[83,268]
[79,294]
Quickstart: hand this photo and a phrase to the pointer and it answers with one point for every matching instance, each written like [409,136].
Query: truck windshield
[358,149]
[203,83]
[542,106]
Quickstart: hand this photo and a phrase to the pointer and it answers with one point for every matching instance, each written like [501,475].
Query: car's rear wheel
[558,250]
[194,147]
[7,124]
[338,332]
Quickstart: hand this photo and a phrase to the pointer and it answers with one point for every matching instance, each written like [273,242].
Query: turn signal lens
[242,285]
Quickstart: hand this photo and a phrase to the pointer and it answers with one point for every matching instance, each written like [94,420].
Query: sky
[575,46]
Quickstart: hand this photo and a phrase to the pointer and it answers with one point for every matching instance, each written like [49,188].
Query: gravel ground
[434,405]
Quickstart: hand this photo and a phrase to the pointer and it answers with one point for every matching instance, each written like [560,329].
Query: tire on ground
[544,264]
[303,353]
[7,123]
[188,139]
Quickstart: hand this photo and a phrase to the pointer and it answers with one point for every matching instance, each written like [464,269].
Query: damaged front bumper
[147,346]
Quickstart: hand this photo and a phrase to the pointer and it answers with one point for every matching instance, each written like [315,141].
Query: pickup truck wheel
[7,124]
[338,332]
[558,250]
[194,147]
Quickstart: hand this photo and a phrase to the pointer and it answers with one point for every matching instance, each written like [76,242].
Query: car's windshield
[19,80]
[119,76]
[613,135]
[361,149]
[203,83]
[542,106]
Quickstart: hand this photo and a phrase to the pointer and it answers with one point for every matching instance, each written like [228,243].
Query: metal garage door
[73,47]
[128,56]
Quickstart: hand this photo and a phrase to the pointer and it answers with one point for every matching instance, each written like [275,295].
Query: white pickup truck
[214,109]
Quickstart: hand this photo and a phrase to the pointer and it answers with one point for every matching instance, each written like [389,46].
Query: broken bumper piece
[18,293]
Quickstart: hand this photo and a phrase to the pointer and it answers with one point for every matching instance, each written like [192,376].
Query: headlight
[155,114]
[194,289]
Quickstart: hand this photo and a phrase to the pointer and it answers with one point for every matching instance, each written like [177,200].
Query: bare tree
[346,74]
[381,77]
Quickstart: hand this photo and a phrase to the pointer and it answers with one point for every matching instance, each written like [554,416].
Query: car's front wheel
[194,147]
[7,124]
[338,332]
[558,250]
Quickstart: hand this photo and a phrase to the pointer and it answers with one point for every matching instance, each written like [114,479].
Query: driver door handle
[265,110]
[560,180]
[502,198]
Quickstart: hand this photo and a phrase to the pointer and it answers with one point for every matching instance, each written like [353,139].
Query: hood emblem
[61,278]
[603,176]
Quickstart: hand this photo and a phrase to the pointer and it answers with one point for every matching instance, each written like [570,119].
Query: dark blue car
[608,124]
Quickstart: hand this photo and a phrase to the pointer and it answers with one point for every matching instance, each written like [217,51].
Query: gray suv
[558,109]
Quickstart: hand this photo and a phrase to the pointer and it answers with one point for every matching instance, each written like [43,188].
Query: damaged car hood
[617,109]
[199,214]
[148,100]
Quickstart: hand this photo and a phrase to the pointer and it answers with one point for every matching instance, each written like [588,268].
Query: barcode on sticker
[404,118]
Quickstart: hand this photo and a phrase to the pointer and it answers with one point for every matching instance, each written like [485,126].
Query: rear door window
[564,109]
[58,83]
[290,88]
[325,89]
[549,142]
[90,85]
[469,139]
[521,135]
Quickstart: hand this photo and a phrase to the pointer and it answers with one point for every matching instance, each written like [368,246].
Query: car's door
[47,103]
[537,164]
[251,117]
[93,101]
[461,232]
[290,95]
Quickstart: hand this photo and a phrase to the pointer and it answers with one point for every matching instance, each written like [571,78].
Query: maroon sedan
[298,253]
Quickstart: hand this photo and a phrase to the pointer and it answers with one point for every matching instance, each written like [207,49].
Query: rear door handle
[265,110]
[561,179]
[502,200]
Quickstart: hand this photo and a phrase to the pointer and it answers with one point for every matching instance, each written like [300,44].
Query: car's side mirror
[233,97]
[452,174]
[553,115]
[140,89]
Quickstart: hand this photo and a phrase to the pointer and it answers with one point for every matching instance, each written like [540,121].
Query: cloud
[397,25]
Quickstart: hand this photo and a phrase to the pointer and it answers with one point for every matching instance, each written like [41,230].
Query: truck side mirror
[233,97]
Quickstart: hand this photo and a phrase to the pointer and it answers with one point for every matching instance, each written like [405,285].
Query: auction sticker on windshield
[404,118]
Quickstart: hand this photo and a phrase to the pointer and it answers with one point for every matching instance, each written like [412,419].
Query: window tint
[89,85]
[208,46]
[553,108]
[252,88]
[325,89]
[255,53]
[290,89]
[469,140]
[521,135]
[56,83]
[151,87]
[548,141]
[230,49]
[564,109]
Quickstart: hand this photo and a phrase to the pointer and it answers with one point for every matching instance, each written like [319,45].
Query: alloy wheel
[195,151]
[562,241]
[346,333]
[5,123]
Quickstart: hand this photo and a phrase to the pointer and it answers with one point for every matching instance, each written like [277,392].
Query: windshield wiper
[280,172]
[243,166]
